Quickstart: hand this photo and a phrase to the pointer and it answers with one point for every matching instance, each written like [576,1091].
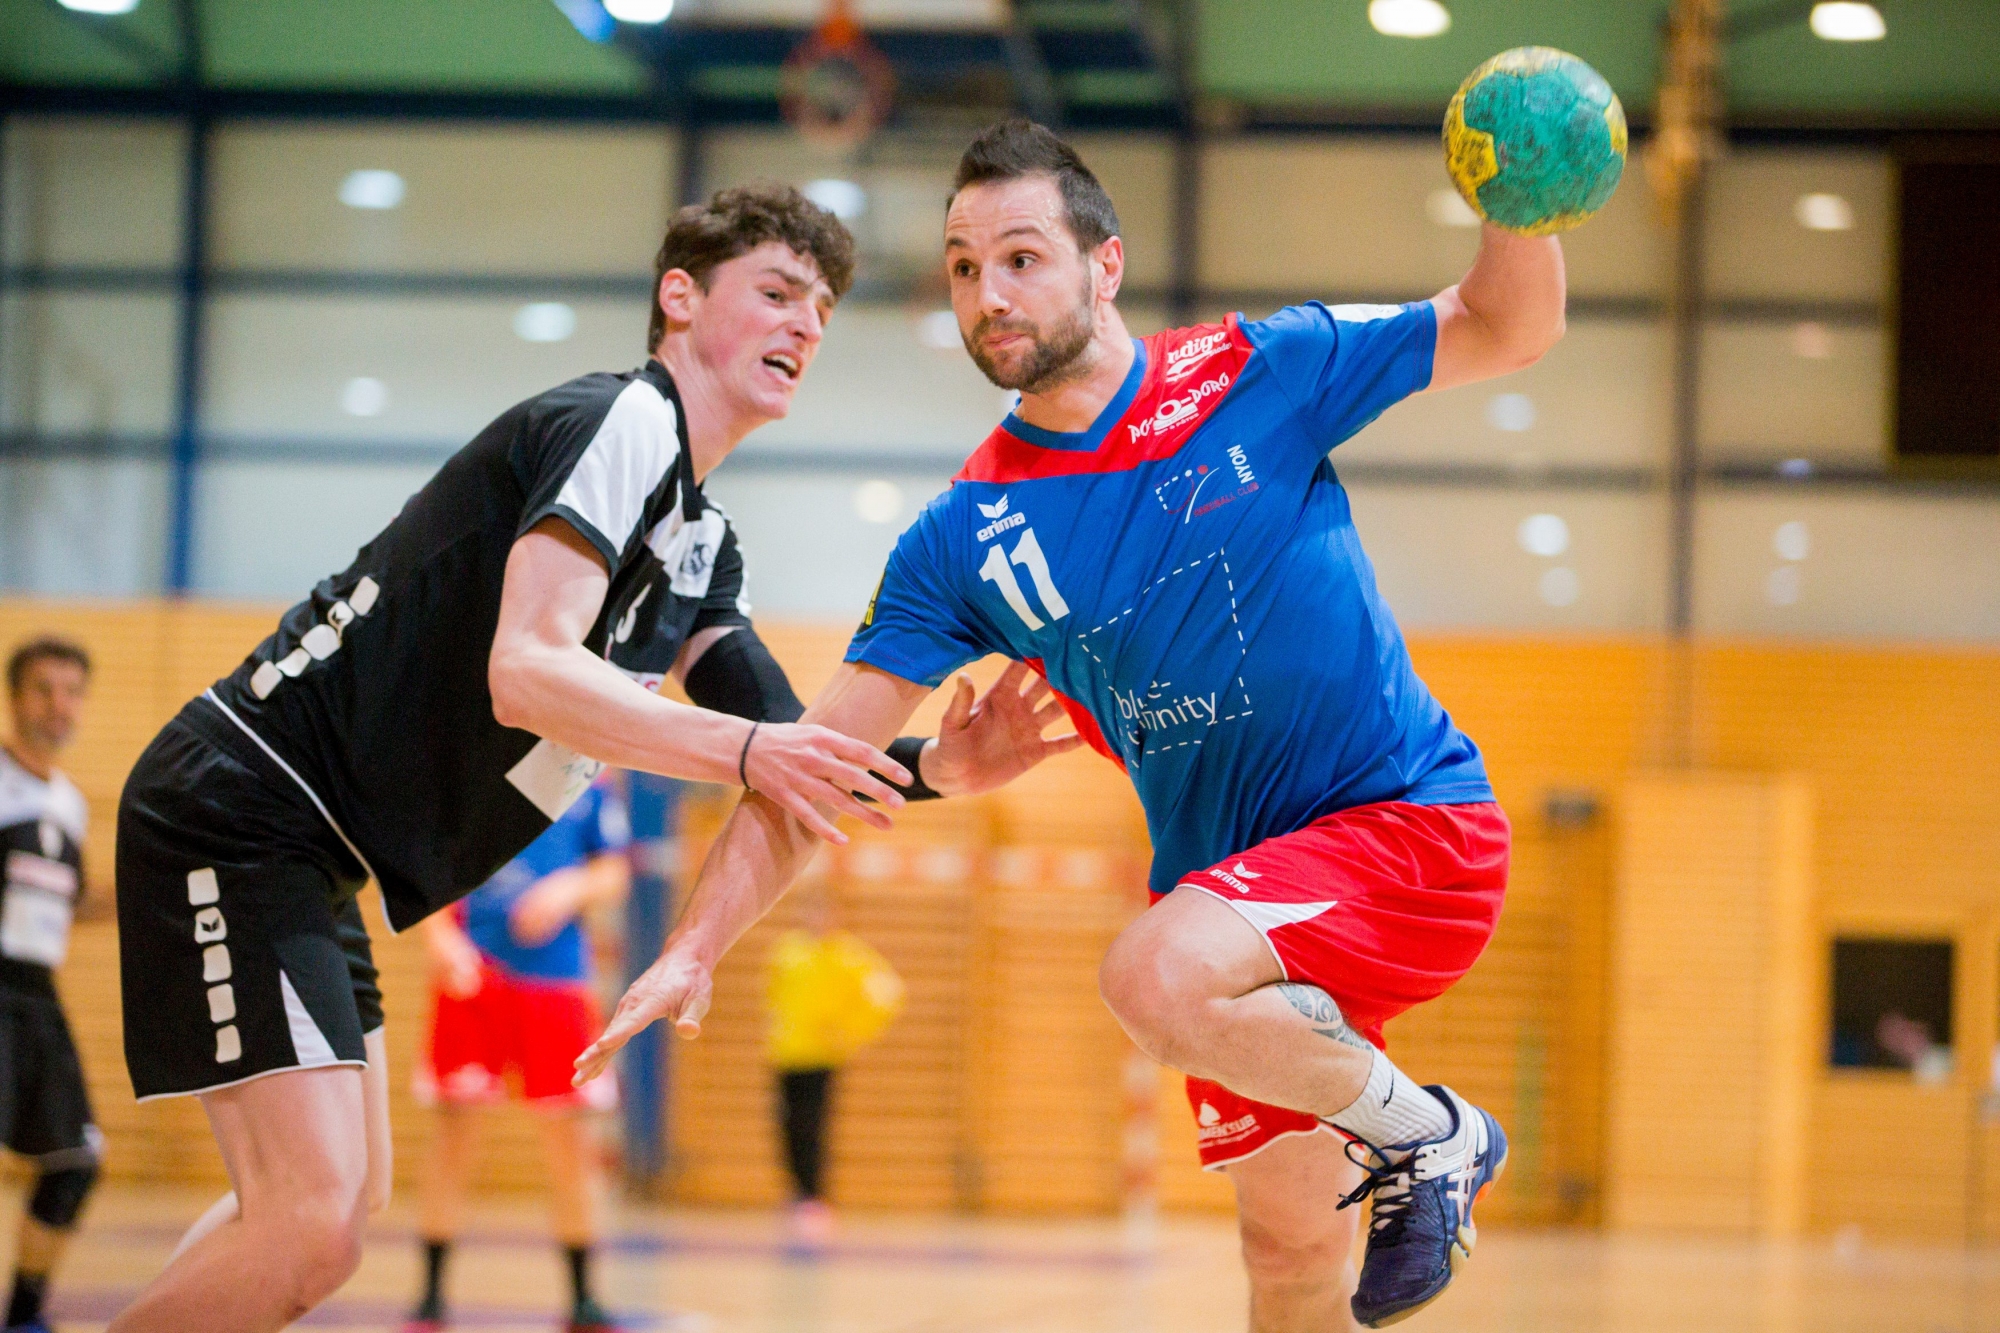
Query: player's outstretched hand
[802,767]
[676,988]
[986,744]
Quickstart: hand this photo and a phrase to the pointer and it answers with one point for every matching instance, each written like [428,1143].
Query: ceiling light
[844,199]
[1559,586]
[1543,534]
[1781,588]
[1824,212]
[1792,541]
[1447,209]
[364,396]
[1408,18]
[1844,22]
[545,322]
[878,501]
[371,189]
[939,329]
[101,6]
[1812,340]
[1510,411]
[639,11]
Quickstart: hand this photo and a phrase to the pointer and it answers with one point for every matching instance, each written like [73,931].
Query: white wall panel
[278,366]
[1602,397]
[1448,559]
[1756,246]
[1775,391]
[1876,565]
[1350,214]
[87,364]
[95,190]
[876,386]
[270,531]
[509,200]
[82,528]
[809,553]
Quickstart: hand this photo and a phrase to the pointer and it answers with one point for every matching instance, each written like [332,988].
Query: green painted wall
[1941,56]
[455,45]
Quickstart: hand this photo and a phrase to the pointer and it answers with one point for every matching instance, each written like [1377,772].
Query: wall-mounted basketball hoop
[837,88]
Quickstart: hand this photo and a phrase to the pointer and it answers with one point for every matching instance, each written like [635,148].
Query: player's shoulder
[641,397]
[67,806]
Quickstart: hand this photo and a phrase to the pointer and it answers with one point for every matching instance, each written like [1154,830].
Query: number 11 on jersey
[999,571]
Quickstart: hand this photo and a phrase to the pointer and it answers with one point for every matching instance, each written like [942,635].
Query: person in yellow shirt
[830,995]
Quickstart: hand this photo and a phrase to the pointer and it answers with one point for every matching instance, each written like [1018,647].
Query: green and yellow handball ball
[1535,140]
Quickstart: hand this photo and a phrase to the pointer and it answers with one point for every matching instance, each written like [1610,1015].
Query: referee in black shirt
[428,711]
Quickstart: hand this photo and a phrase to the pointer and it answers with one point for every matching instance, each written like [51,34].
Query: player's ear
[679,295]
[1108,268]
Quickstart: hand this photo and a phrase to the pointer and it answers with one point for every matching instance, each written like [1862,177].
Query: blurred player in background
[1157,529]
[44,1106]
[514,1001]
[830,995]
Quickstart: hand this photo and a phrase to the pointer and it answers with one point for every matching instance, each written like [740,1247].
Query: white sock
[1393,1111]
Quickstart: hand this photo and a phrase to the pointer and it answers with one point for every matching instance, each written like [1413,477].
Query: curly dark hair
[738,220]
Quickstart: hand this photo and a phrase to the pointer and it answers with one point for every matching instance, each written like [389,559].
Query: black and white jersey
[373,692]
[41,838]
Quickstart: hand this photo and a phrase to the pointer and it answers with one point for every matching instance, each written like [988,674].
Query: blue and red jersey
[1187,575]
[596,825]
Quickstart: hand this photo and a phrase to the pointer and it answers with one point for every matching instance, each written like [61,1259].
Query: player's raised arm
[753,860]
[1504,314]
[545,681]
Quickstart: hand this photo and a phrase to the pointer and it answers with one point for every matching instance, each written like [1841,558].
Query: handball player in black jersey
[429,711]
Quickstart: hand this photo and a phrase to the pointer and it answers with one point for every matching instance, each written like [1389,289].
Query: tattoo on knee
[1319,1009]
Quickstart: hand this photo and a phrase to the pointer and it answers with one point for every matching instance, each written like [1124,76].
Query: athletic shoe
[1422,1228]
[35,1325]
[587,1316]
[428,1317]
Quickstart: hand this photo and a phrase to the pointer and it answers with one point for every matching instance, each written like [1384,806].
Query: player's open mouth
[784,365]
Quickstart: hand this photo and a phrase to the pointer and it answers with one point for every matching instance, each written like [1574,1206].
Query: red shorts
[535,1029]
[1382,907]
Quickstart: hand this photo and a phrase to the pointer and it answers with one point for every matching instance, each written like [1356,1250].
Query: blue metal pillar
[649,909]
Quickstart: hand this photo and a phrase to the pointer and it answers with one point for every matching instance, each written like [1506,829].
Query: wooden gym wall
[1006,1085]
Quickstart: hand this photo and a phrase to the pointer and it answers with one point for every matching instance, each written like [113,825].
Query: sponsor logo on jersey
[996,509]
[998,526]
[1208,1115]
[1184,360]
[1174,411]
[1227,1130]
[1246,872]
[1153,712]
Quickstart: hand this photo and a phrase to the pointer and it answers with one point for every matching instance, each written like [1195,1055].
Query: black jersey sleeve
[594,453]
[725,602]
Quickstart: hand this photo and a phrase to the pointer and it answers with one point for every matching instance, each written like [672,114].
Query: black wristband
[908,751]
[743,760]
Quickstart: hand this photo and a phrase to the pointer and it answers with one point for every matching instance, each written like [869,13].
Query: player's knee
[1138,982]
[1295,1254]
[324,1242]
[59,1195]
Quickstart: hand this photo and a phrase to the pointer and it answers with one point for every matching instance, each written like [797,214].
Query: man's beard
[1056,358]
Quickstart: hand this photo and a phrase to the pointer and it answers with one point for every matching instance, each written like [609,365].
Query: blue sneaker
[1421,1230]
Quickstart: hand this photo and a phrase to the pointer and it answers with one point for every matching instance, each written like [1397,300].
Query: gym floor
[681,1271]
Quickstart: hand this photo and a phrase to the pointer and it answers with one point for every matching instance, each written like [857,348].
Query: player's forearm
[753,861]
[570,695]
[1515,294]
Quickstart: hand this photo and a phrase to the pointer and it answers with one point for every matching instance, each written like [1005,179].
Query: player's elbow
[507,674]
[1524,341]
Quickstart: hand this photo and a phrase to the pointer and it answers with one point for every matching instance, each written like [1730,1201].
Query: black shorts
[241,945]
[44,1105]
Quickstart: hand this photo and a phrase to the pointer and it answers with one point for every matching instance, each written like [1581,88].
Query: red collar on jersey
[1188,374]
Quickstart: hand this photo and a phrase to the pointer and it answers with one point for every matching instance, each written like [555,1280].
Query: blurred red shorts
[1381,906]
[535,1029]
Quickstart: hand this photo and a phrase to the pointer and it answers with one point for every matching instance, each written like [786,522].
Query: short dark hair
[1019,147]
[48,647]
[738,220]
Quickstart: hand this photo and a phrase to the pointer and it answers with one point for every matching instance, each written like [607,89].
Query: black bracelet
[743,759]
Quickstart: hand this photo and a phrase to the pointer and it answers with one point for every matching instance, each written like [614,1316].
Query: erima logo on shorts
[204,892]
[1232,881]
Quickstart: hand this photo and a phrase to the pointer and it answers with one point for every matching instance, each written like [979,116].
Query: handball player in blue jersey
[1157,530]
